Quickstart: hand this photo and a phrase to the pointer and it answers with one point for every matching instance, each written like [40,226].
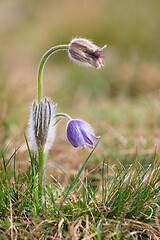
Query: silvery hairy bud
[42,124]
[84,51]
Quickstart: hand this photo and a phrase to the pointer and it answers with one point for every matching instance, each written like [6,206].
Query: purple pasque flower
[79,133]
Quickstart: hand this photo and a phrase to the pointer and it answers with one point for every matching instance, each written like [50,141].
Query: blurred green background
[121,100]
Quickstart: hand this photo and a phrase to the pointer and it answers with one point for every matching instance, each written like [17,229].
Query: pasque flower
[42,116]
[84,51]
[79,133]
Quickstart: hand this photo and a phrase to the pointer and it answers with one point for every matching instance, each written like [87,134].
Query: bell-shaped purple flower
[79,133]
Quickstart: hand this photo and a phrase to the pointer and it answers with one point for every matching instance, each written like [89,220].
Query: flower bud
[42,124]
[80,132]
[84,51]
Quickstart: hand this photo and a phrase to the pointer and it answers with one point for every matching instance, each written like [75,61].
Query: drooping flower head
[42,124]
[84,51]
[79,133]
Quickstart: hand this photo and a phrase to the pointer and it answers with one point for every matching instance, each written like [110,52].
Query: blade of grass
[12,155]
[77,177]
[4,163]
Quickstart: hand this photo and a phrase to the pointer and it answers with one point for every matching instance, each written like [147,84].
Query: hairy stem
[64,115]
[40,173]
[41,156]
[41,66]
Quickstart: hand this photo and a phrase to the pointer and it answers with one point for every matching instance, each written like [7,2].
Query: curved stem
[41,66]
[41,155]
[65,115]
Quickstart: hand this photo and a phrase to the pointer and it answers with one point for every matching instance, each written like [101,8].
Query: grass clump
[124,203]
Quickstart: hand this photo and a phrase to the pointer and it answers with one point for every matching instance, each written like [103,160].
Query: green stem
[40,173]
[41,156]
[41,66]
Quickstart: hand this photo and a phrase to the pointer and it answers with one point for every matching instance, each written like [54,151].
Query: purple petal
[87,132]
[85,126]
[98,55]
[87,137]
[74,134]
[94,137]
[71,141]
